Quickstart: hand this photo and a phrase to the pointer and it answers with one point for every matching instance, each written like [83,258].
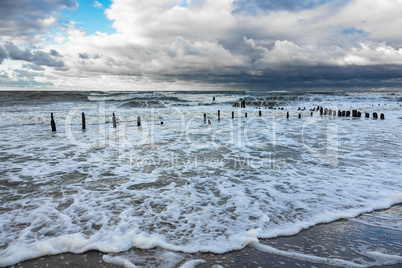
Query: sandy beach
[333,241]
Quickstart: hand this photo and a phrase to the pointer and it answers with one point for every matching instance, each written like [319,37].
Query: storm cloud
[248,44]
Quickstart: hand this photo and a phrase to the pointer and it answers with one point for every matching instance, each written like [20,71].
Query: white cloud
[97,4]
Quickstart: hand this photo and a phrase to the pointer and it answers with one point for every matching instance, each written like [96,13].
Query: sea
[182,183]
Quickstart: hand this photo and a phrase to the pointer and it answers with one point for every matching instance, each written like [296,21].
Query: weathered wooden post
[209,122]
[138,121]
[299,115]
[311,114]
[83,121]
[334,114]
[52,122]
[321,110]
[330,112]
[367,115]
[205,118]
[259,113]
[245,115]
[339,113]
[325,111]
[382,116]
[219,115]
[287,114]
[347,113]
[213,99]
[359,114]
[343,113]
[375,115]
[114,120]
[232,114]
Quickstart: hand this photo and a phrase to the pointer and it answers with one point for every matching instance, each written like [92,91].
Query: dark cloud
[27,19]
[16,53]
[3,55]
[304,77]
[54,53]
[276,5]
[37,57]
[83,55]
[42,58]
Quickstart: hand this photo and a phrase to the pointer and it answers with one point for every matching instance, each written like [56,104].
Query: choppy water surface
[185,185]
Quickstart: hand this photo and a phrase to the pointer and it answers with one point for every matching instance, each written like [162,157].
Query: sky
[200,44]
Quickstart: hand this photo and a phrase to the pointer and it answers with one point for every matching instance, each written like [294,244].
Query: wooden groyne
[354,113]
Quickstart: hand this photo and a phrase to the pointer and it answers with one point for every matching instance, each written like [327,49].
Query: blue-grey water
[186,185]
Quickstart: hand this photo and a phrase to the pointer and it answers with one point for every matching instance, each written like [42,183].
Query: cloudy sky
[196,44]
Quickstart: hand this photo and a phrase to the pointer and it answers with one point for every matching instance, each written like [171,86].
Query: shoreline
[342,240]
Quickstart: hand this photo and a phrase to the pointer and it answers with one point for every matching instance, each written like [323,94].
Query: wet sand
[342,239]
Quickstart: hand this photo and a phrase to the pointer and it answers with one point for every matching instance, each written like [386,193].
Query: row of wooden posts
[114,122]
[355,113]
[241,104]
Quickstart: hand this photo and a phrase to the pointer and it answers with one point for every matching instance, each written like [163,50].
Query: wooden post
[311,114]
[382,116]
[375,115]
[343,113]
[245,115]
[325,111]
[205,118]
[213,99]
[347,113]
[138,121]
[299,116]
[259,113]
[114,120]
[52,122]
[219,115]
[83,121]
[330,112]
[287,114]
[334,114]
[367,115]
[359,114]
[321,110]
[209,122]
[339,113]
[232,114]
